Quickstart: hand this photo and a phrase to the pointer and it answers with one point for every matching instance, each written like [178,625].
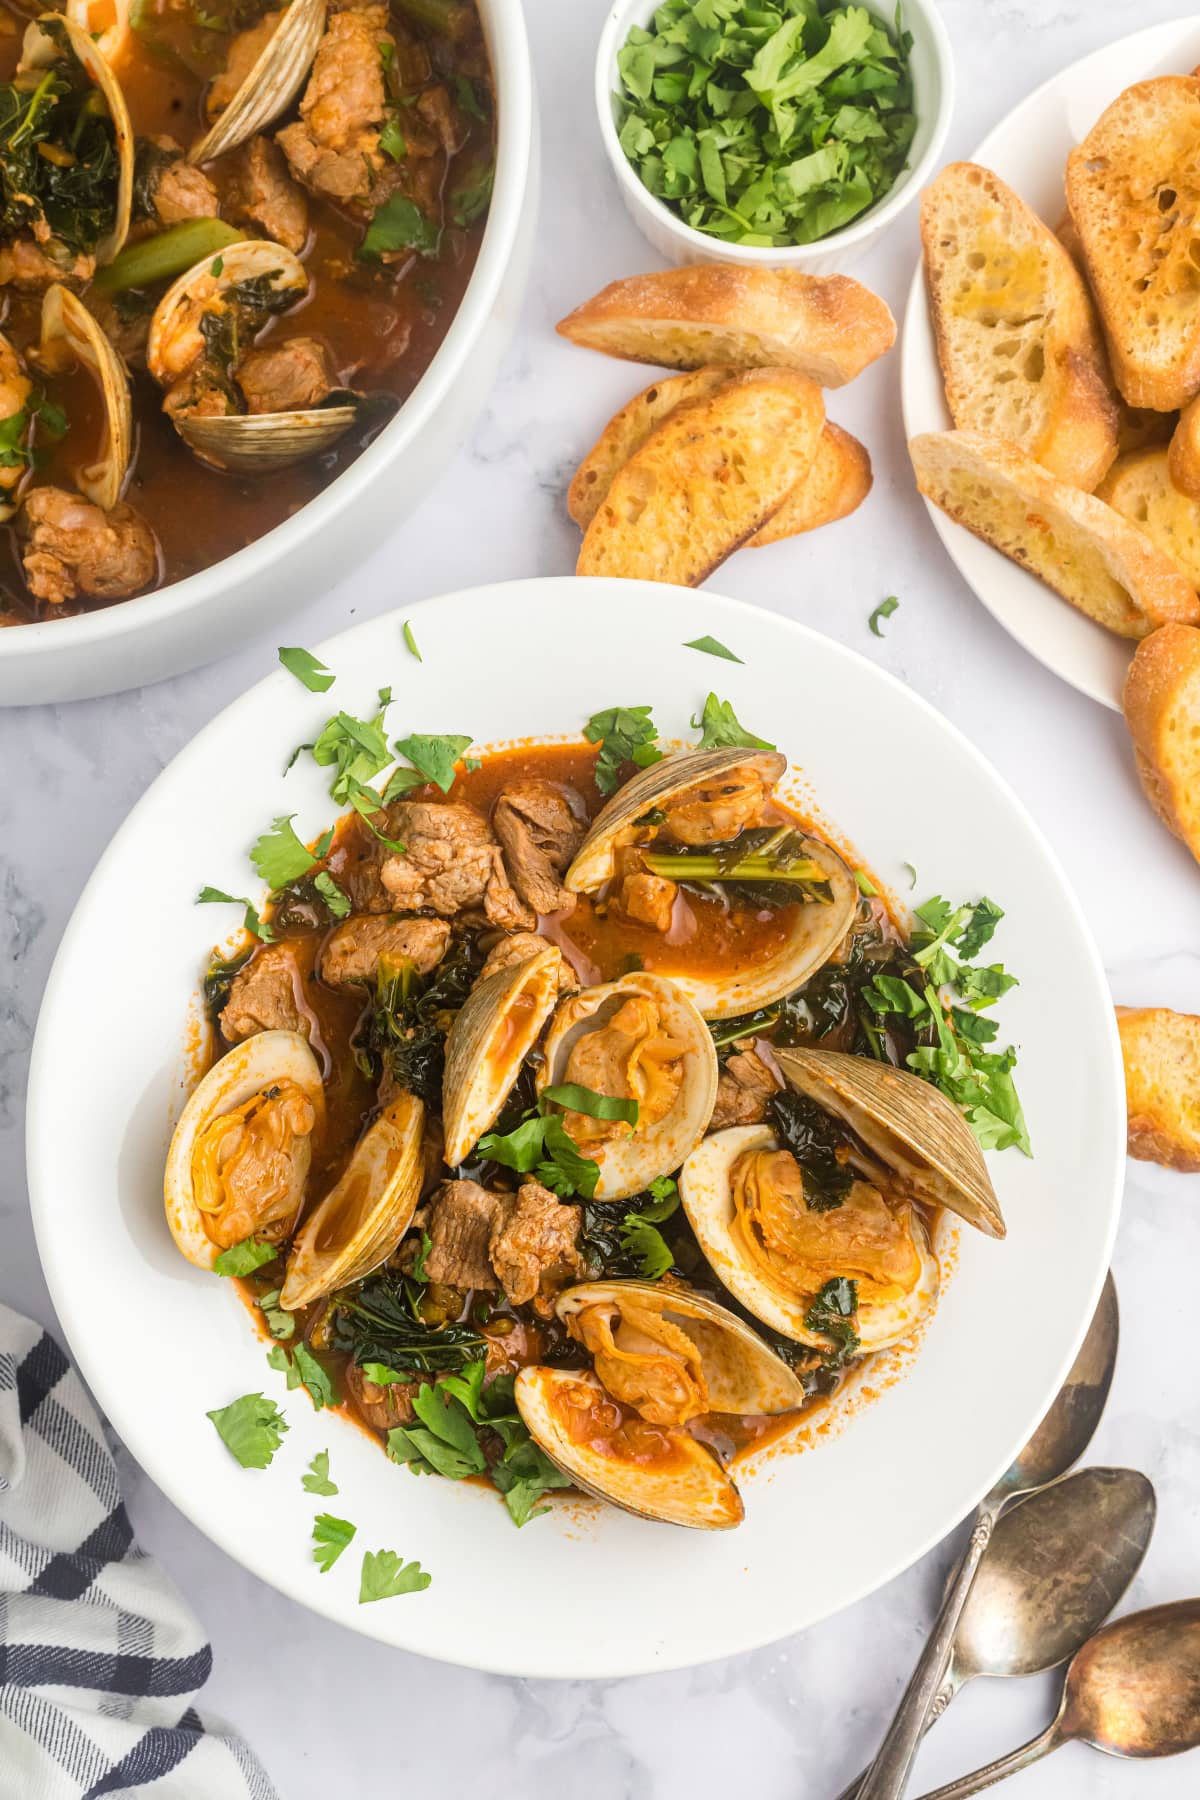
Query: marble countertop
[803,1714]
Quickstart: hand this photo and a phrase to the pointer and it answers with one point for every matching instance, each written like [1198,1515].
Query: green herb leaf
[411,642]
[251,1428]
[317,1480]
[280,1324]
[541,1144]
[434,757]
[211,896]
[864,884]
[338,903]
[307,669]
[641,1239]
[575,1098]
[912,874]
[302,1369]
[279,856]
[330,1538]
[399,224]
[832,1313]
[718,726]
[884,610]
[244,1258]
[391,141]
[625,734]
[712,646]
[384,1575]
[383,1376]
[471,195]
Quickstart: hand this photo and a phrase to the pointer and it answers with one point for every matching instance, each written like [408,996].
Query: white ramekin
[932,63]
[194,620]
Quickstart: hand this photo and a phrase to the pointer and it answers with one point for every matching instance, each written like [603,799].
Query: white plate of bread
[1050,368]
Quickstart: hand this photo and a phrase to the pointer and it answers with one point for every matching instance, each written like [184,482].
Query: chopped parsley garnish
[391,141]
[833,1313]
[384,1575]
[338,903]
[211,896]
[383,1376]
[399,224]
[765,125]
[279,856]
[432,757]
[912,873]
[16,446]
[251,1428]
[307,669]
[574,1097]
[541,1145]
[411,642]
[884,610]
[452,1419]
[302,1369]
[712,646]
[244,1258]
[330,1538]
[280,1324]
[472,194]
[640,1237]
[218,267]
[317,1479]
[625,734]
[718,726]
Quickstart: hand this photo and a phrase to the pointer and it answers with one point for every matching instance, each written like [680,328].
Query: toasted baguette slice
[706,480]
[1161,1049]
[1184,458]
[1140,488]
[829,327]
[838,483]
[1083,549]
[1140,429]
[1017,337]
[1133,186]
[1162,710]
[628,430]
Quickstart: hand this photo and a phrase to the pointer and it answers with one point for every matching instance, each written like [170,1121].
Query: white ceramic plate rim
[512,73]
[748,1615]
[1066,642]
[921,17]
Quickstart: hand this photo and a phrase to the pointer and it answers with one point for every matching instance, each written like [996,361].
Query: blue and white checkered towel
[100,1657]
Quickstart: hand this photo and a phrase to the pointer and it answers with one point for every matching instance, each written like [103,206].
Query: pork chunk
[244,51]
[745,1087]
[647,899]
[381,1408]
[540,835]
[518,947]
[72,547]
[285,377]
[264,194]
[267,995]
[461,1216]
[24,263]
[451,861]
[174,188]
[353,951]
[333,148]
[532,1246]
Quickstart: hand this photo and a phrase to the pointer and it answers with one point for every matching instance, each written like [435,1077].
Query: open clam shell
[659,1473]
[816,928]
[71,335]
[257,443]
[176,340]
[272,83]
[242,1080]
[908,1124]
[706,1189]
[496,1028]
[106,22]
[741,1373]
[361,1220]
[629,1159]
[41,50]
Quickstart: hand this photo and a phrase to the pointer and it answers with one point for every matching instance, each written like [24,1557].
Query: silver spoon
[1059,1441]
[1055,1568]
[1133,1690]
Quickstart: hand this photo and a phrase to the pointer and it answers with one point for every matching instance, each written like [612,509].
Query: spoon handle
[887,1777]
[942,1699]
[978,1779]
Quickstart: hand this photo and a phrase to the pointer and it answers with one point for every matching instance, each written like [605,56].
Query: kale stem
[751,868]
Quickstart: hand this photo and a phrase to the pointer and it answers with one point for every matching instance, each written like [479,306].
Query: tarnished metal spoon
[1059,1441]
[1055,1568]
[1133,1690]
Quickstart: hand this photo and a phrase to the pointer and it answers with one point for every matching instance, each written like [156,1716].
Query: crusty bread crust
[1132,190]
[1017,336]
[836,485]
[828,327]
[1162,710]
[1184,454]
[1140,488]
[1161,1051]
[1079,546]
[706,480]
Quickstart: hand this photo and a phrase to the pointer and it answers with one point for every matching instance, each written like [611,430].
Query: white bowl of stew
[237,554]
